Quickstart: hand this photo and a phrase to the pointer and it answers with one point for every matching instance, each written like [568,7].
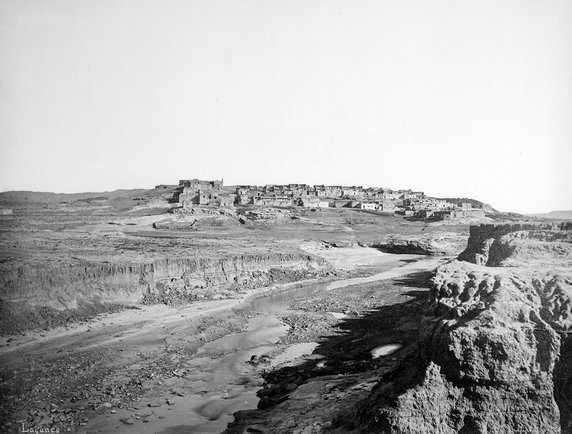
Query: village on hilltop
[195,193]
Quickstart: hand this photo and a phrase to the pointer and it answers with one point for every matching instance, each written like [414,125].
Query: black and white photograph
[286,216]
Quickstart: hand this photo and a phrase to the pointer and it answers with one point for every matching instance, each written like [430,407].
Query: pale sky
[459,98]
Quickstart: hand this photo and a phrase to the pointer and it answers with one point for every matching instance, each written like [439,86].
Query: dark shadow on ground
[563,383]
[423,279]
[349,352]
[408,261]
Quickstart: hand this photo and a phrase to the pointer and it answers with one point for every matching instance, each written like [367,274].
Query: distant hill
[23,197]
[474,202]
[117,198]
[45,197]
[556,215]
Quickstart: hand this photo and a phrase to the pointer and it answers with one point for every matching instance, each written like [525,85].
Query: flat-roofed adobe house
[272,200]
[314,202]
[341,203]
[391,195]
[199,192]
[387,207]
[350,191]
[368,205]
[424,213]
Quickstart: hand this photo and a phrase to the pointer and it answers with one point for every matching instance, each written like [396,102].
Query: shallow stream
[219,380]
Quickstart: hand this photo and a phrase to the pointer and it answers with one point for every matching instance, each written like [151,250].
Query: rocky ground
[307,397]
[108,304]
[485,348]
[70,260]
[104,367]
[125,370]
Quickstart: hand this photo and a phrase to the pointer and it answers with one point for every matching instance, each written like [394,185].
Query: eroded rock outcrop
[486,359]
[492,354]
[431,244]
[409,247]
[493,350]
[517,244]
[163,280]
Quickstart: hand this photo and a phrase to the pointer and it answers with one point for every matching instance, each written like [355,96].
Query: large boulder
[485,363]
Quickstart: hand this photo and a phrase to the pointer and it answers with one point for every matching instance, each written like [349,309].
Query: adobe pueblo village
[199,307]
[194,192]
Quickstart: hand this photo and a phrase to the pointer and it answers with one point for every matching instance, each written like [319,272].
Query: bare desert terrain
[119,315]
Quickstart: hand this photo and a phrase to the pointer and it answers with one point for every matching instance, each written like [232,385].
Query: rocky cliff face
[519,244]
[493,350]
[411,247]
[164,280]
[492,353]
[430,245]
[486,359]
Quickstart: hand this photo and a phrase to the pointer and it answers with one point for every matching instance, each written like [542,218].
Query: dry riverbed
[188,369]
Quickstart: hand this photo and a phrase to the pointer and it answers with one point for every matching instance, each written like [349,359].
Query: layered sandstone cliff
[516,244]
[493,350]
[163,280]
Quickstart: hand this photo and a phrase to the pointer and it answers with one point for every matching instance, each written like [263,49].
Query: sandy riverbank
[158,367]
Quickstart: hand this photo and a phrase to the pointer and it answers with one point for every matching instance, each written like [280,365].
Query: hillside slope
[492,352]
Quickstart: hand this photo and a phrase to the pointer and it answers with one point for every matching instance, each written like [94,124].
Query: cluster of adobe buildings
[192,193]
